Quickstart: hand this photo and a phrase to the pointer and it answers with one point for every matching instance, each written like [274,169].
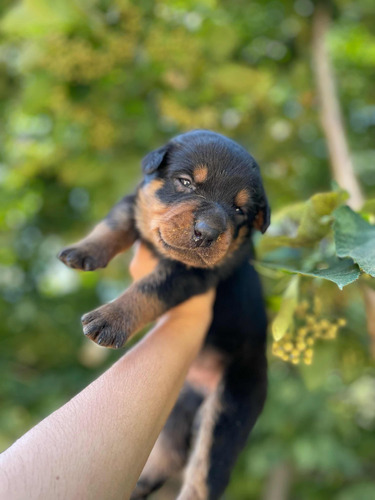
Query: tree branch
[330,112]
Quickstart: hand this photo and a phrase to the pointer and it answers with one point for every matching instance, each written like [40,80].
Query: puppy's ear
[263,217]
[154,160]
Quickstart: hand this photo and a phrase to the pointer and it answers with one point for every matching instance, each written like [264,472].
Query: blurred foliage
[86,89]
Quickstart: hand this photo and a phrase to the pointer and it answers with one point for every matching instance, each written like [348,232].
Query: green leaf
[339,271]
[284,317]
[308,222]
[355,238]
[314,221]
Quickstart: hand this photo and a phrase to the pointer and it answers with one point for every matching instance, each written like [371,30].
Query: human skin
[96,445]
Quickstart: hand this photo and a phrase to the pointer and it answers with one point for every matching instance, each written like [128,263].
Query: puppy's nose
[204,233]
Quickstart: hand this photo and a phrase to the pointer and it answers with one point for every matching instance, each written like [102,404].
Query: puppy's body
[201,197]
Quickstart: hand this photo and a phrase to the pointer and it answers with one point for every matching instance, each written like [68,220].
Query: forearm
[95,446]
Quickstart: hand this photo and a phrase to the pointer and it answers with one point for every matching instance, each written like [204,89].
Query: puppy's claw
[89,329]
[88,317]
[88,264]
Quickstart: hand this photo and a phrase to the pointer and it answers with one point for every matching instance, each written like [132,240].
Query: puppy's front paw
[85,257]
[107,326]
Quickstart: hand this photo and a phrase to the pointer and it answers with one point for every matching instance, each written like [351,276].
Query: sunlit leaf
[339,271]
[369,206]
[38,17]
[314,222]
[284,317]
[355,238]
[310,222]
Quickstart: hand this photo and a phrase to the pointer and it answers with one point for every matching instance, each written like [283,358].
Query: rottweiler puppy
[196,209]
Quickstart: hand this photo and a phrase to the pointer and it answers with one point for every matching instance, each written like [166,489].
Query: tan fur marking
[242,198]
[100,246]
[259,220]
[101,232]
[116,240]
[171,229]
[239,240]
[148,208]
[195,481]
[200,173]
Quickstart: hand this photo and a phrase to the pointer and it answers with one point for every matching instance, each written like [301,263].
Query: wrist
[196,313]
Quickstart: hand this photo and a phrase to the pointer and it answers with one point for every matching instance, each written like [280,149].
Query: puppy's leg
[171,448]
[227,418]
[144,301]
[112,235]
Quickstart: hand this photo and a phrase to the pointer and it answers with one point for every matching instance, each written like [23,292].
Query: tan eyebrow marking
[242,198]
[200,173]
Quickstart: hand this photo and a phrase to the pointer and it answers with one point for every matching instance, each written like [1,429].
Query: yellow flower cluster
[297,345]
[78,60]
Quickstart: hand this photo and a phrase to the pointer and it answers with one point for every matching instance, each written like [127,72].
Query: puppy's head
[201,198]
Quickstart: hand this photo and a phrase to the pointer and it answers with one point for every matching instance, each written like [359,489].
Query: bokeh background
[87,87]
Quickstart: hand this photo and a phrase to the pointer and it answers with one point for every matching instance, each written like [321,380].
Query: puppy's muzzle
[209,225]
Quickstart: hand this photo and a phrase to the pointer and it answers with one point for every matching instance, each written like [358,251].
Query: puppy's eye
[239,211]
[185,182]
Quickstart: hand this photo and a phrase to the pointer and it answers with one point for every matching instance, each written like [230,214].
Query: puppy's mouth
[167,246]
[193,255]
[182,252]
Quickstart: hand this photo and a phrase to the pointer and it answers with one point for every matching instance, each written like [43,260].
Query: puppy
[196,209]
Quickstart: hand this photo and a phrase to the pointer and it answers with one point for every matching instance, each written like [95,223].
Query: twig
[330,111]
